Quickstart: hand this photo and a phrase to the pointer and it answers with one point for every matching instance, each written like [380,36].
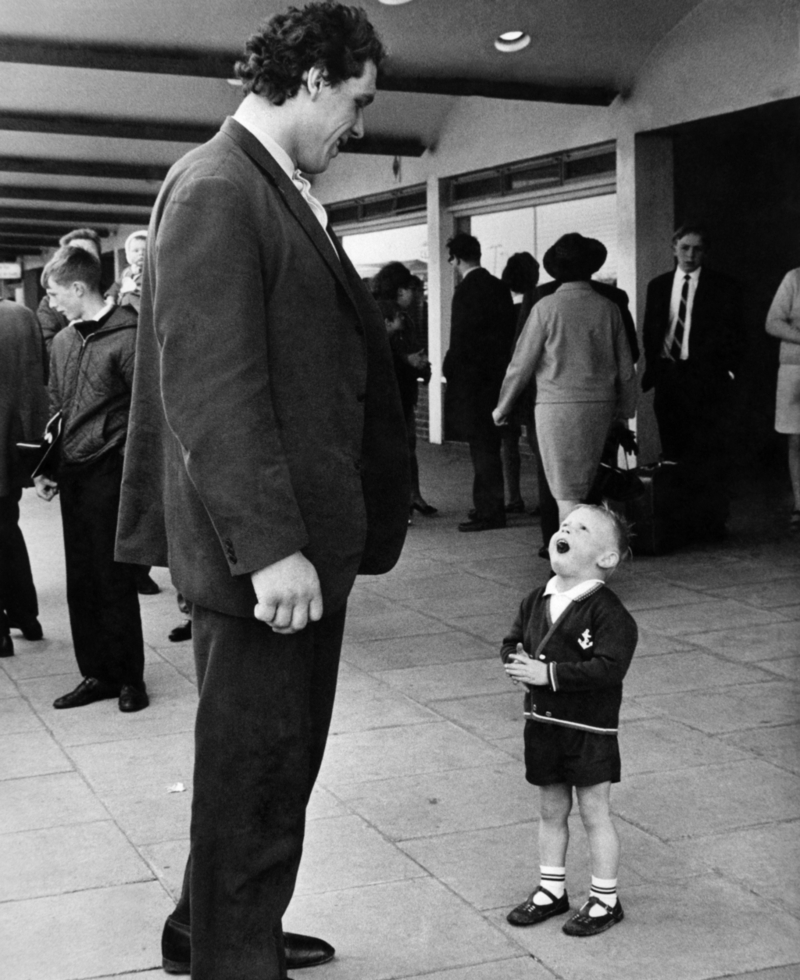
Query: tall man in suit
[268,466]
[693,339]
[481,338]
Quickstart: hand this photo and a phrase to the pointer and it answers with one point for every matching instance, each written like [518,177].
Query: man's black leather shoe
[133,698]
[481,524]
[301,951]
[180,633]
[89,690]
[146,586]
[29,626]
[6,646]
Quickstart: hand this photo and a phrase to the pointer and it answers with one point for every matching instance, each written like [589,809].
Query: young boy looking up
[571,645]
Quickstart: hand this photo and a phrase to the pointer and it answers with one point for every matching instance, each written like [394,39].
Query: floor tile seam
[744,829]
[331,787]
[6,902]
[738,763]
[112,739]
[400,841]
[57,826]
[666,712]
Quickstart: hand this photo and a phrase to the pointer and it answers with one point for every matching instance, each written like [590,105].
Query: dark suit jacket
[265,416]
[481,339]
[716,337]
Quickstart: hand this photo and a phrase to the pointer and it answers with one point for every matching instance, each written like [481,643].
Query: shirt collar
[100,315]
[249,116]
[577,591]
[680,274]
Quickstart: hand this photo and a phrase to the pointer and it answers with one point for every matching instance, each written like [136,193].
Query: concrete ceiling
[99,97]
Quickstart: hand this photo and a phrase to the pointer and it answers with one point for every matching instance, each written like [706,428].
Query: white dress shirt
[674,305]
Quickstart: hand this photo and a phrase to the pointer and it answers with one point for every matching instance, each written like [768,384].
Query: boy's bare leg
[594,803]
[554,808]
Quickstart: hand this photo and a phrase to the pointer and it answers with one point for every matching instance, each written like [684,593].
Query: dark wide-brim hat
[574,257]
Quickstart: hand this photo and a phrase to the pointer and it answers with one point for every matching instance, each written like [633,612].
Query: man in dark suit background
[481,338]
[282,470]
[693,339]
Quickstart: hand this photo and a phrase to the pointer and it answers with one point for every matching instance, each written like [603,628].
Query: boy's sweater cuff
[552,676]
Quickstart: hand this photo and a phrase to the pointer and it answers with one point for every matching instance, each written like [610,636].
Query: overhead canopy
[99,97]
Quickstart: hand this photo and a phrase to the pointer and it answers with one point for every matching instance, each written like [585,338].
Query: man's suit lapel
[267,164]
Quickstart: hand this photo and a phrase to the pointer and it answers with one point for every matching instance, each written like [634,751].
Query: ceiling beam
[576,94]
[10,254]
[172,131]
[45,241]
[220,64]
[76,218]
[76,195]
[84,168]
[23,227]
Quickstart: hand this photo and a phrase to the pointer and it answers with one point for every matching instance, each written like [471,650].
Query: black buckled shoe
[88,691]
[528,913]
[301,951]
[582,924]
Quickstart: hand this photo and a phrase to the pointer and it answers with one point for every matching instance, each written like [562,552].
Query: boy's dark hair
[389,279]
[464,247]
[336,38]
[690,228]
[521,272]
[86,234]
[73,264]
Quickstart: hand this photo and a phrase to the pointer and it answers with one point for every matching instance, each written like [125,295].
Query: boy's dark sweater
[587,655]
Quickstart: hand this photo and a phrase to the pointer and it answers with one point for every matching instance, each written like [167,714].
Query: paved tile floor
[422,829]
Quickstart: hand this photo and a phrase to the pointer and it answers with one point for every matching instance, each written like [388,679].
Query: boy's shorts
[557,754]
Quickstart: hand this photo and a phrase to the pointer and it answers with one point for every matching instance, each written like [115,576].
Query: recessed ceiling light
[512,41]
[393,3]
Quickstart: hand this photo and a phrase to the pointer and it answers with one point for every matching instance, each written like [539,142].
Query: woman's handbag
[614,482]
[41,458]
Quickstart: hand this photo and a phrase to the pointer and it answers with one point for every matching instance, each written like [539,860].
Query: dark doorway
[738,175]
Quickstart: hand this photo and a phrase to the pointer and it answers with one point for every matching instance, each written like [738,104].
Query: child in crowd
[571,645]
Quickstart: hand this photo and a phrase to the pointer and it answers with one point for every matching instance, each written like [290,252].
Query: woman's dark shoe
[427,510]
[528,913]
[29,626]
[6,646]
[182,632]
[146,586]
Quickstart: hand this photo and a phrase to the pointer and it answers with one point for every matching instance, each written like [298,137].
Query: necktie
[680,324]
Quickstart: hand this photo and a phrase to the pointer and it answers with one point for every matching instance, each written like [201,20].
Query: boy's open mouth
[562,546]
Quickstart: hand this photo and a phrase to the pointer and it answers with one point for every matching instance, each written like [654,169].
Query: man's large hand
[288,594]
[45,487]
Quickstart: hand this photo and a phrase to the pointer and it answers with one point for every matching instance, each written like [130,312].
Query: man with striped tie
[693,340]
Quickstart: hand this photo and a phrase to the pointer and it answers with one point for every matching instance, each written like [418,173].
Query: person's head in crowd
[521,273]
[574,258]
[135,246]
[392,314]
[317,65]
[72,282]
[464,253]
[689,244]
[393,282]
[85,238]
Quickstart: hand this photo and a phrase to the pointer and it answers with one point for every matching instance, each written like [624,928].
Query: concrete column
[645,222]
[440,295]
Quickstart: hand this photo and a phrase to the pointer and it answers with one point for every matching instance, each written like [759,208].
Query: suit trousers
[101,593]
[488,493]
[17,591]
[262,722]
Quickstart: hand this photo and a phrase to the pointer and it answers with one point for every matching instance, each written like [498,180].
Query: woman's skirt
[571,439]
[787,399]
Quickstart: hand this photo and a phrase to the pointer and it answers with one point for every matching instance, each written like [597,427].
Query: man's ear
[314,79]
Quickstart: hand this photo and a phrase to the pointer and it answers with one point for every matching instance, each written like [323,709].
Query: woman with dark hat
[574,344]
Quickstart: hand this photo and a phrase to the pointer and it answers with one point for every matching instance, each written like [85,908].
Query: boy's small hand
[520,667]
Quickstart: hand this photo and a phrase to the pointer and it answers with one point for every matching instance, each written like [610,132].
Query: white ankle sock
[554,880]
[606,890]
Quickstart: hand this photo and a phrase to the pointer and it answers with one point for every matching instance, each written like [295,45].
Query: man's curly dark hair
[332,36]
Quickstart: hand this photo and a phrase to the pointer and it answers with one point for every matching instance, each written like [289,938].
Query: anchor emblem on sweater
[585,640]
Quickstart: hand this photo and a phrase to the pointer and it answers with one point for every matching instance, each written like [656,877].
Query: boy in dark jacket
[91,375]
[571,645]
